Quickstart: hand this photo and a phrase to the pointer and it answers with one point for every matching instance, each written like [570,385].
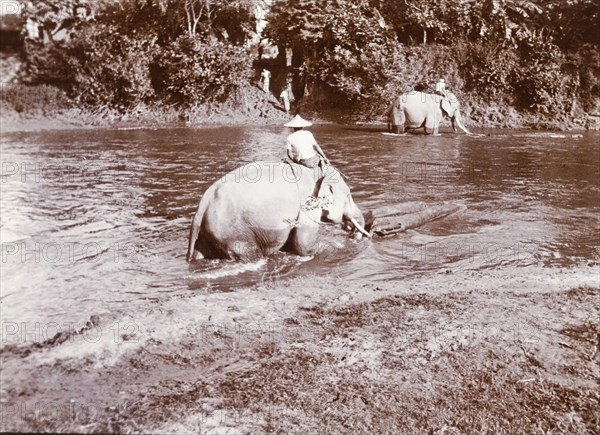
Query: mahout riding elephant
[264,207]
[415,110]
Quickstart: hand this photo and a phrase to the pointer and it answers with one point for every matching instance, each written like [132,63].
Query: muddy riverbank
[40,108]
[500,350]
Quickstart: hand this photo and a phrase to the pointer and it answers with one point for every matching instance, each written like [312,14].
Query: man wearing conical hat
[301,145]
[440,87]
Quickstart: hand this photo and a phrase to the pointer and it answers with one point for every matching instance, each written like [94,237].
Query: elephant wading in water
[419,110]
[265,207]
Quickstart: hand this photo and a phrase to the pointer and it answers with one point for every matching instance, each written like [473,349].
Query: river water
[95,222]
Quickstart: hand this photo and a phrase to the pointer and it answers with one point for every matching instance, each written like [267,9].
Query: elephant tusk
[462,126]
[359,227]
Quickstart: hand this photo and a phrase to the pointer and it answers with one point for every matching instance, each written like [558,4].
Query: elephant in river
[415,110]
[265,207]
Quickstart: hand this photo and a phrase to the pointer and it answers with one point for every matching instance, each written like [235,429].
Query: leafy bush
[47,64]
[355,49]
[96,67]
[48,100]
[191,71]
[542,86]
[110,68]
[490,70]
[584,65]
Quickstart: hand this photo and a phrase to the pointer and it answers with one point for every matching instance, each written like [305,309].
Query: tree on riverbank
[538,58]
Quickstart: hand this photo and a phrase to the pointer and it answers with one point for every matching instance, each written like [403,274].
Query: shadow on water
[96,222]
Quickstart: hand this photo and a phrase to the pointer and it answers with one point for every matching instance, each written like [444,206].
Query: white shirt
[302,144]
[440,87]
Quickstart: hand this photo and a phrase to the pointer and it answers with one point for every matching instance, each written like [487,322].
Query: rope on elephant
[312,202]
[315,202]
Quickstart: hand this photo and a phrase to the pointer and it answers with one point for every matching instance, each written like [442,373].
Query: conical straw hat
[298,122]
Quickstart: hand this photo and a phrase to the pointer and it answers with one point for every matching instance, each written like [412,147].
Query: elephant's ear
[447,107]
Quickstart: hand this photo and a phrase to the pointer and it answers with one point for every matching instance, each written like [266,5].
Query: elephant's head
[450,106]
[338,205]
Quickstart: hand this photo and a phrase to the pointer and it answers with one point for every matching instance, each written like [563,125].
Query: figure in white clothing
[285,97]
[440,87]
[266,77]
[301,145]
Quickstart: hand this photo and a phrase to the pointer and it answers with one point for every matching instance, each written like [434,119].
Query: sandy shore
[502,350]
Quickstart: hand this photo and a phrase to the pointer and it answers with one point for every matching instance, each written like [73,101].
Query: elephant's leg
[303,240]
[431,127]
[256,242]
[243,250]
[396,119]
[410,126]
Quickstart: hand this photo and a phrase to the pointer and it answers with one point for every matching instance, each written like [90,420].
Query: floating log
[387,221]
[403,208]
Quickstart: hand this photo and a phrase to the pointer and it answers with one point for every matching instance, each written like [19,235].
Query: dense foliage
[538,56]
[125,53]
[195,72]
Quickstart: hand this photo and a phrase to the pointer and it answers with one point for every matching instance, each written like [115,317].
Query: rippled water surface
[96,222]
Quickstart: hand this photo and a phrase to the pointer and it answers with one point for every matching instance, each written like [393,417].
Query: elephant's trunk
[462,127]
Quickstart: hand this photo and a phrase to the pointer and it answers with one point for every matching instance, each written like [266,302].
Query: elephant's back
[416,107]
[415,97]
[271,175]
[255,186]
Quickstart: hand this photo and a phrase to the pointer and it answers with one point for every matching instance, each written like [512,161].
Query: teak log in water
[387,221]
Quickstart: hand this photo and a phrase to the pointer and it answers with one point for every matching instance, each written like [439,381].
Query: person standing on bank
[301,145]
[266,77]
[440,87]
[285,97]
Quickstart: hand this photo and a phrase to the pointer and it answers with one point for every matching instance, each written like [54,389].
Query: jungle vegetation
[539,56]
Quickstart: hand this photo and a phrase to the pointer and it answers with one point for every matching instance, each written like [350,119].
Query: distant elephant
[415,110]
[264,207]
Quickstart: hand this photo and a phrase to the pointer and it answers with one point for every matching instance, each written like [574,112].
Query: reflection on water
[96,222]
